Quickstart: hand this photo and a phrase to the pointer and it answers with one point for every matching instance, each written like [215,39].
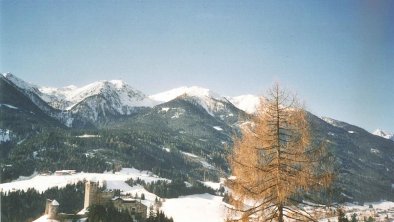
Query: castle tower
[53,209]
[91,189]
[47,204]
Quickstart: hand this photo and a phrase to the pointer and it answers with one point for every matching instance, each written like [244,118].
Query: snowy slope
[31,91]
[384,134]
[334,122]
[20,83]
[57,97]
[248,103]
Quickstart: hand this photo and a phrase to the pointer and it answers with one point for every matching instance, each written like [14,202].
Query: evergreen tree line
[173,189]
[108,213]
[159,216]
[28,205]
[343,218]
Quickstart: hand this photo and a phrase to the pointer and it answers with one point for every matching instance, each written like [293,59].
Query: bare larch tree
[274,160]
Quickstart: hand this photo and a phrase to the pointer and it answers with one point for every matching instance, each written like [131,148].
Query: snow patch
[375,151]
[189,154]
[44,218]
[218,128]
[69,122]
[165,109]
[333,122]
[213,185]
[206,164]
[5,135]
[166,149]
[8,105]
[88,136]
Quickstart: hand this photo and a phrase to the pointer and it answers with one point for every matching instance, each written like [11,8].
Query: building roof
[55,203]
[125,200]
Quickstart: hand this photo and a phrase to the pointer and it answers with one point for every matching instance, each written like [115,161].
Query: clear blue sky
[337,55]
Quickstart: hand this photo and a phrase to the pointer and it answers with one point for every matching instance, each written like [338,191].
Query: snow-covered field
[195,208]
[44,182]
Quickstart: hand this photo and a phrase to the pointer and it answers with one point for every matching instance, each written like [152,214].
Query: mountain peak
[384,134]
[194,91]
[7,74]
[118,83]
[19,82]
[248,103]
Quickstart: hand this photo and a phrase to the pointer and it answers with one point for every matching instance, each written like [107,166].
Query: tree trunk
[280,217]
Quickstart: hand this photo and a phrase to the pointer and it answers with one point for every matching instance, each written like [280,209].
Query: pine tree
[342,216]
[274,160]
[354,218]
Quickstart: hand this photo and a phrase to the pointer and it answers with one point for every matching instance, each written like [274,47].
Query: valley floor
[192,208]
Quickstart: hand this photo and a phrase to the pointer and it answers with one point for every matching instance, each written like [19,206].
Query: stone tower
[53,209]
[91,189]
[47,203]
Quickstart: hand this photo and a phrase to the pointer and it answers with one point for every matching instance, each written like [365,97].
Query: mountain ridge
[384,134]
[70,96]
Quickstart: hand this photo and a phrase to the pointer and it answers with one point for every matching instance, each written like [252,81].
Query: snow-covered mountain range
[66,98]
[93,102]
[99,100]
[163,127]
[123,95]
[105,98]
